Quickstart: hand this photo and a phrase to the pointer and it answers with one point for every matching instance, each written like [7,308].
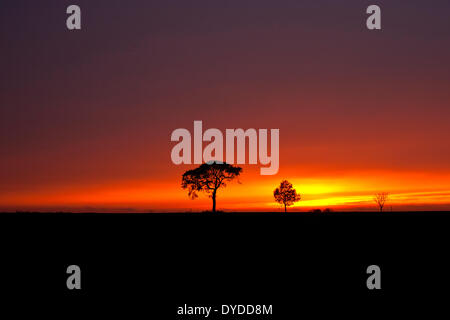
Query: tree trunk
[285,208]
[214,201]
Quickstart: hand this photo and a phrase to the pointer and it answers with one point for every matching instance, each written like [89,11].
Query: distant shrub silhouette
[209,177]
[326,210]
[285,194]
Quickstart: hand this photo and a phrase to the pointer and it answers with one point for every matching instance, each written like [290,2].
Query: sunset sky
[86,116]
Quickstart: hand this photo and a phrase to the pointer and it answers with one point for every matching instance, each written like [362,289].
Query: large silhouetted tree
[209,177]
[380,199]
[285,194]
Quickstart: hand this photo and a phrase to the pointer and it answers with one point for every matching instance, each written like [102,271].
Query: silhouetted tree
[285,194]
[380,199]
[209,177]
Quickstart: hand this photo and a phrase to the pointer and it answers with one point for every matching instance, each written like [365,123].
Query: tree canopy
[208,178]
[285,194]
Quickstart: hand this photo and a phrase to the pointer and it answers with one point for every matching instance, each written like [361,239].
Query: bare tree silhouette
[380,199]
[209,177]
[285,194]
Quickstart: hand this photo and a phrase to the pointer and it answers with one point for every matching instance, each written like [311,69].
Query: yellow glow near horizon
[254,193]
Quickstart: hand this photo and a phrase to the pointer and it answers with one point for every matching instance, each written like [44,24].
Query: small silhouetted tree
[209,177]
[285,194]
[380,199]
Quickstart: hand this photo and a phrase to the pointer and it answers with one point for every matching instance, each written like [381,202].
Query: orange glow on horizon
[353,191]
